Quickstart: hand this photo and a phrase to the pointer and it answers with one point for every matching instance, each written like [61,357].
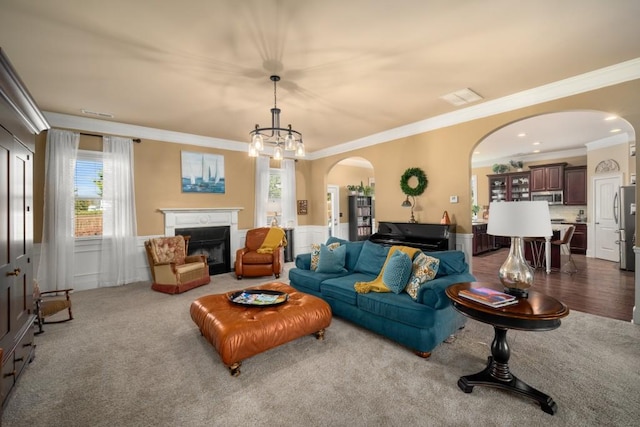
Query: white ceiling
[551,136]
[350,69]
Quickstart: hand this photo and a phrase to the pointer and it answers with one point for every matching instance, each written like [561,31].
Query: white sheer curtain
[289,210]
[262,191]
[56,266]
[119,229]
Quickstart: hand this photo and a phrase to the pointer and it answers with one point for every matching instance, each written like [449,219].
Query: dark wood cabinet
[579,239]
[482,242]
[547,177]
[19,120]
[360,217]
[575,185]
[510,187]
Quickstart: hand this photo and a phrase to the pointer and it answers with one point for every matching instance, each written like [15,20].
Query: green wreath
[422,182]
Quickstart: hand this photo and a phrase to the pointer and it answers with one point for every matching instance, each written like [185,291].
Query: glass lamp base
[516,274]
[517,292]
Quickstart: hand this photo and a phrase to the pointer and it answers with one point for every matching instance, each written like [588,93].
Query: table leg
[497,374]
[547,253]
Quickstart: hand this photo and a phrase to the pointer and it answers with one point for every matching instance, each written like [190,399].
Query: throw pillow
[315,253]
[371,258]
[397,271]
[424,268]
[332,260]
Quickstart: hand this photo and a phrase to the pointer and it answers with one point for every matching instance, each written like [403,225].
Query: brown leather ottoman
[238,332]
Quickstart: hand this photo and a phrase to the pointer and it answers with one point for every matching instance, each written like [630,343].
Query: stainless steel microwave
[552,197]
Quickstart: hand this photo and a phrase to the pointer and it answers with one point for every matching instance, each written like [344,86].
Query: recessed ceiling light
[609,118]
[522,134]
[615,130]
[536,143]
[96,113]
[536,151]
[476,152]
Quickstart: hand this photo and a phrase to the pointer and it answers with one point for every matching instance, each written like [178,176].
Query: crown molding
[622,138]
[123,129]
[603,77]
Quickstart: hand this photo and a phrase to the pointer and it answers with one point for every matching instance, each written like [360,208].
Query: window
[274,204]
[88,194]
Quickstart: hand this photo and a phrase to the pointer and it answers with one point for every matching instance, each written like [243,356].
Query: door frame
[334,220]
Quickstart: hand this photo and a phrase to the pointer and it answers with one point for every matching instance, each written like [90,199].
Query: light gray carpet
[133,357]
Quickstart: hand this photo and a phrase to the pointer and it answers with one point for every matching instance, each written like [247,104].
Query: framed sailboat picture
[202,173]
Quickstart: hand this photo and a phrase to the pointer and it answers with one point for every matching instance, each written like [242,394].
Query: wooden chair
[49,303]
[565,249]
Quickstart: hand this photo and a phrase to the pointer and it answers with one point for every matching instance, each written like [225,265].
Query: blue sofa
[419,324]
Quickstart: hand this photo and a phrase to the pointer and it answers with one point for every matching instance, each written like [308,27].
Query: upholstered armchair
[262,254]
[173,271]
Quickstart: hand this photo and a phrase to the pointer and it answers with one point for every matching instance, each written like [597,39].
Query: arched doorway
[561,137]
[352,171]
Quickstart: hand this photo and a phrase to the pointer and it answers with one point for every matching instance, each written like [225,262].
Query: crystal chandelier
[284,139]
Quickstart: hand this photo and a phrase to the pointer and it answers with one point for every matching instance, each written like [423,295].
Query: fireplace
[213,231]
[214,243]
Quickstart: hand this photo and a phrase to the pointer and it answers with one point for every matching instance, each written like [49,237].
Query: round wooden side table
[538,312]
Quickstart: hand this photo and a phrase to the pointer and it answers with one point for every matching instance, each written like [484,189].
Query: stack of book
[488,296]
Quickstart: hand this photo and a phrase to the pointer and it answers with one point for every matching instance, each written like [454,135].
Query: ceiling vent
[461,97]
[97,114]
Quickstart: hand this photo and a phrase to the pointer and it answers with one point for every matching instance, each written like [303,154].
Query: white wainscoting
[87,253]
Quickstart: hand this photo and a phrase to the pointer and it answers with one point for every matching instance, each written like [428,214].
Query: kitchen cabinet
[548,177]
[482,242]
[575,185]
[360,217]
[510,187]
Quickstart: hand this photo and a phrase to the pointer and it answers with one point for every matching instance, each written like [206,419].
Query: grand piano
[427,237]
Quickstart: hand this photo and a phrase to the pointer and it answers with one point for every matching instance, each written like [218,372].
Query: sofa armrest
[303,261]
[432,293]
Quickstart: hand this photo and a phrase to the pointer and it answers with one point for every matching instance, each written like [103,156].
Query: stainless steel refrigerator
[625,210]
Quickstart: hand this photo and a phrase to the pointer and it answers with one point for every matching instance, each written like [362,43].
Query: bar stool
[536,244]
[565,249]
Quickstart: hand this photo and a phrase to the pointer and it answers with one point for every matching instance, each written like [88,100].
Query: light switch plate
[453,199]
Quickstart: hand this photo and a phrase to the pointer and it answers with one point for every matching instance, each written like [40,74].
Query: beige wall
[444,154]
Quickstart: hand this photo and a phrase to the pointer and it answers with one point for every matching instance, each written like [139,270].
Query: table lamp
[408,204]
[518,220]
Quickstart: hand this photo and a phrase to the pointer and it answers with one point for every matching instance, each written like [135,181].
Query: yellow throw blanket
[377,285]
[275,237]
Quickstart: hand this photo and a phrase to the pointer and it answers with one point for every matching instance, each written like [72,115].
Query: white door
[606,218]
[333,209]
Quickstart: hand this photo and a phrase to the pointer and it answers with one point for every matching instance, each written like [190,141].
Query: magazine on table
[258,298]
[488,296]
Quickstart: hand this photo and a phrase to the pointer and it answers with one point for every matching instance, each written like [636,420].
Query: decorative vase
[445,218]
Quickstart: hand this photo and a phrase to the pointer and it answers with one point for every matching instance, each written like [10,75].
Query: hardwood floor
[599,287]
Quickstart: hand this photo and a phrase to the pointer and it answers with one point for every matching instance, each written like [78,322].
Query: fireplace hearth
[214,243]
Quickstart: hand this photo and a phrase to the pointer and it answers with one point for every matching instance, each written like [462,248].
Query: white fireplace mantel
[202,217]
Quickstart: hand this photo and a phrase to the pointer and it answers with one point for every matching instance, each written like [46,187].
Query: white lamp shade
[519,219]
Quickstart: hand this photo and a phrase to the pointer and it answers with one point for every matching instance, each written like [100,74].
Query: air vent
[461,97]
[97,114]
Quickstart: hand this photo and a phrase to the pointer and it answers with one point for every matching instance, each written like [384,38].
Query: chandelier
[284,139]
